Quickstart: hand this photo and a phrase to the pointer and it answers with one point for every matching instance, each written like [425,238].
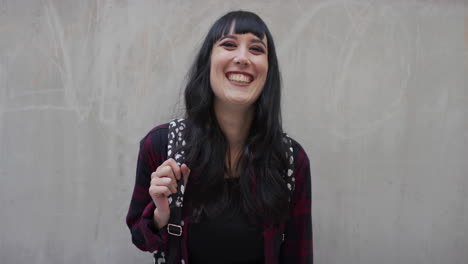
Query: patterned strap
[289,174]
[175,151]
[174,227]
[288,178]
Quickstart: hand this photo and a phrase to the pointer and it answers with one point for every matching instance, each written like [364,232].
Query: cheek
[213,70]
[216,69]
[216,76]
[264,71]
[266,67]
[262,66]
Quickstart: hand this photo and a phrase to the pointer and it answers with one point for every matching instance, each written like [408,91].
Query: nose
[242,58]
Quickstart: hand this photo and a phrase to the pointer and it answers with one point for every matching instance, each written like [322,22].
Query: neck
[235,123]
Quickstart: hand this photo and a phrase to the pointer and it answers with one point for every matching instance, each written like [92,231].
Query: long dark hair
[262,164]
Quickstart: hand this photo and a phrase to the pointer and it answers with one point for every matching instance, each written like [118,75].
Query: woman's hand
[164,183]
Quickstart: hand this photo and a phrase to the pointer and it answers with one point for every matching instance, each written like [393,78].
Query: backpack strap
[289,179]
[174,226]
[174,150]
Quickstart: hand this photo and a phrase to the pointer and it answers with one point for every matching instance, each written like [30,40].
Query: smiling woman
[248,186]
[239,66]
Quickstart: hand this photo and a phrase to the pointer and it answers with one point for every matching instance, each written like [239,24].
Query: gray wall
[376,92]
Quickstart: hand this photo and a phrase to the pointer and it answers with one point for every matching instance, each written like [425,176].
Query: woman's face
[239,66]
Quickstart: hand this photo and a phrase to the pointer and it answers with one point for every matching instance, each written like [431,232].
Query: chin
[240,101]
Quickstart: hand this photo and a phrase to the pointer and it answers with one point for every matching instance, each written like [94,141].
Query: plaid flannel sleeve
[297,247]
[139,219]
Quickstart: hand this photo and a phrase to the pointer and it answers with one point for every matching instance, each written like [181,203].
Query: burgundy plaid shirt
[297,244]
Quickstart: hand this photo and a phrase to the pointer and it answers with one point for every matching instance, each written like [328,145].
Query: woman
[236,205]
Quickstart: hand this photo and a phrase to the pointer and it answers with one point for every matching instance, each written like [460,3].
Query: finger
[165,181]
[175,167]
[158,191]
[185,171]
[162,171]
[165,171]
[153,174]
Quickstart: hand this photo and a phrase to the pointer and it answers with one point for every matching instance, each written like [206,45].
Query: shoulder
[156,134]
[154,143]
[157,138]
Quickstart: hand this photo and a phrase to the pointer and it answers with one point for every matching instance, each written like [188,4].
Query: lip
[239,72]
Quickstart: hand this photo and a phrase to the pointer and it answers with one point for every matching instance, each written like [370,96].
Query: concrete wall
[376,92]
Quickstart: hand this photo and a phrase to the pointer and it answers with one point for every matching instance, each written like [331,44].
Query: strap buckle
[175,230]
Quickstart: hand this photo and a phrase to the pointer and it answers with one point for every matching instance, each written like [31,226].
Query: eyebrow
[255,40]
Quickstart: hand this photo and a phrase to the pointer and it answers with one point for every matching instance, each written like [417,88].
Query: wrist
[159,221]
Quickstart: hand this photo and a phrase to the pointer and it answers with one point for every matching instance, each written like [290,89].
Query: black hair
[263,162]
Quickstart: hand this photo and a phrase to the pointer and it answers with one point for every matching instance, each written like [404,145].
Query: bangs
[244,22]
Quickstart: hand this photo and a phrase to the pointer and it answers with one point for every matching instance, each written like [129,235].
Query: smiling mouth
[239,77]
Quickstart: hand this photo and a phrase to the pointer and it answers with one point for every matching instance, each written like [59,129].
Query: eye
[257,49]
[228,44]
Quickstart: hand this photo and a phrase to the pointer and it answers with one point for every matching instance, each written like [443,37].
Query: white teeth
[239,78]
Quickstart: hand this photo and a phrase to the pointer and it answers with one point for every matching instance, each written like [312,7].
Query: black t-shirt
[228,237]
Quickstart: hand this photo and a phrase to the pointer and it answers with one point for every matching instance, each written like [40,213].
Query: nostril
[241,60]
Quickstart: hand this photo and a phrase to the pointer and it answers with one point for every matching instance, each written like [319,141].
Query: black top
[227,237]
